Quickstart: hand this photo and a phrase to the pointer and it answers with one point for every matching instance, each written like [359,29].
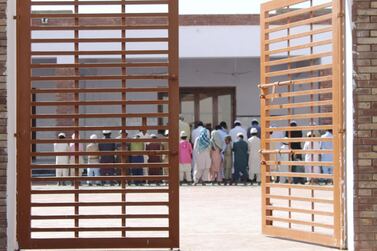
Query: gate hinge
[17,17]
[15,135]
[341,15]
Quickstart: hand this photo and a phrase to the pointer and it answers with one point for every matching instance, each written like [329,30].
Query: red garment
[185,152]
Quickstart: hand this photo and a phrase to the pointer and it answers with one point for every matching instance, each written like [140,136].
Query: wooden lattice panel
[85,67]
[301,81]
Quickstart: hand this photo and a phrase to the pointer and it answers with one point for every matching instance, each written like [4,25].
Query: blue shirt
[328,145]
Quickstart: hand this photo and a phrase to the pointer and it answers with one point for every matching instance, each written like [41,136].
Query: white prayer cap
[93,136]
[61,135]
[183,134]
[181,116]
[153,136]
[166,132]
[239,134]
[309,134]
[253,130]
[123,131]
[237,121]
[106,132]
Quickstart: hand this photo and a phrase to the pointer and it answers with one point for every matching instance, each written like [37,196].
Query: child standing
[241,159]
[228,160]
[185,158]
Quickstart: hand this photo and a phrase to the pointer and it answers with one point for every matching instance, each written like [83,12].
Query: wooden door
[302,121]
[111,59]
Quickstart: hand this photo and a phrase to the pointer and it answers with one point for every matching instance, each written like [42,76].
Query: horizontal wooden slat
[313,20]
[101,153]
[97,204]
[299,105]
[300,163]
[302,139]
[101,77]
[100,103]
[297,82]
[100,165]
[96,128]
[126,52]
[301,175]
[101,27]
[99,229]
[299,35]
[294,59]
[274,5]
[299,186]
[294,151]
[299,93]
[299,47]
[298,12]
[299,235]
[100,115]
[78,3]
[99,90]
[100,40]
[98,191]
[101,65]
[296,198]
[299,128]
[298,210]
[95,216]
[301,116]
[300,222]
[99,178]
[110,140]
[292,71]
[97,15]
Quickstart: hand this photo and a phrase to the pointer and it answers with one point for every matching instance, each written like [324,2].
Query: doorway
[211,105]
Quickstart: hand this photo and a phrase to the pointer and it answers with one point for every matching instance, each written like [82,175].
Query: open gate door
[85,67]
[302,99]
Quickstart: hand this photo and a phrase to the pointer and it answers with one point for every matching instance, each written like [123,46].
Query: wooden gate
[84,68]
[302,99]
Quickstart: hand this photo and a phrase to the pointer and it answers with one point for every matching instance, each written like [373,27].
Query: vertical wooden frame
[23,122]
[264,92]
[173,123]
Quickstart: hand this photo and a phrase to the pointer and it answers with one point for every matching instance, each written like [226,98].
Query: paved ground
[227,219]
[217,218]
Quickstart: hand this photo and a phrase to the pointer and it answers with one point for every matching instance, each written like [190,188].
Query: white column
[11,104]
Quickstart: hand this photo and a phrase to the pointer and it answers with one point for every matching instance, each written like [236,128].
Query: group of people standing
[103,164]
[234,156]
[312,158]
[220,156]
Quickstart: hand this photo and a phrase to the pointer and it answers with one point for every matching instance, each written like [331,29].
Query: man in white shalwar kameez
[254,156]
[310,157]
[275,145]
[282,157]
[62,160]
[184,126]
[236,130]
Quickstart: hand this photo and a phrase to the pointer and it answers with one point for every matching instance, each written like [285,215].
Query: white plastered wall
[11,104]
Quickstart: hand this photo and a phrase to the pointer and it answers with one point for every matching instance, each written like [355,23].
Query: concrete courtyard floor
[228,219]
[218,218]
